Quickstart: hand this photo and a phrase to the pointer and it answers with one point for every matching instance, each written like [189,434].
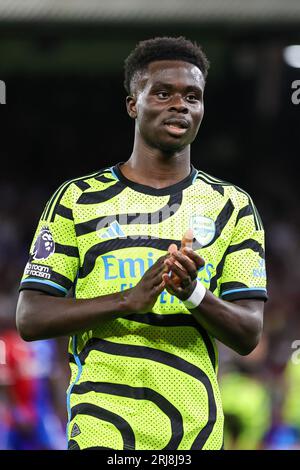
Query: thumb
[187,239]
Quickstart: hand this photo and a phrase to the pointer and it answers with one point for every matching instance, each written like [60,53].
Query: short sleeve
[244,272]
[54,258]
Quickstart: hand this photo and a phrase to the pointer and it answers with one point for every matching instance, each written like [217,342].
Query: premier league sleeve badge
[44,245]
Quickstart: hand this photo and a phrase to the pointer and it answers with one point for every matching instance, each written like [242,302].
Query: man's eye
[192,98]
[163,94]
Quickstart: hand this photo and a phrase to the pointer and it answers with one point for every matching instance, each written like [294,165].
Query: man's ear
[131,106]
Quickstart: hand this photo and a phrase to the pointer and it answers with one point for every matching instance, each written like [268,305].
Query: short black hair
[163,48]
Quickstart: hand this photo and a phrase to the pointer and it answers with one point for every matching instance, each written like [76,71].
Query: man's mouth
[176,126]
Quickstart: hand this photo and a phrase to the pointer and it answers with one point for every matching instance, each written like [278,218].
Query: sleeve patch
[44,245]
[38,270]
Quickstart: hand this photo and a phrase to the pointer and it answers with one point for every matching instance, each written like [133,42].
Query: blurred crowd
[33,376]
[260,391]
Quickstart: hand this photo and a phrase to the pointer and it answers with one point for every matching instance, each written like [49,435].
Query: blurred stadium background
[62,63]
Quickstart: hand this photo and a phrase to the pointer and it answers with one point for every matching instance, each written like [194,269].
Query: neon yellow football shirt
[145,381]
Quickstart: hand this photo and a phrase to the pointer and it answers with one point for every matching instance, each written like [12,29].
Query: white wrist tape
[196,297]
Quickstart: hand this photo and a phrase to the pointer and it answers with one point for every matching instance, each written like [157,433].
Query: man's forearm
[232,323]
[41,316]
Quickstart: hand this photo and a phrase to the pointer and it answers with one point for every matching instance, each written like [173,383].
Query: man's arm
[237,324]
[41,316]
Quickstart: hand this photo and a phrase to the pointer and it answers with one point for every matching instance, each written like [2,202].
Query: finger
[198,260]
[161,259]
[182,273]
[166,279]
[184,277]
[164,268]
[169,288]
[172,248]
[158,278]
[153,272]
[158,265]
[187,239]
[171,261]
[160,287]
[171,274]
[170,285]
[186,263]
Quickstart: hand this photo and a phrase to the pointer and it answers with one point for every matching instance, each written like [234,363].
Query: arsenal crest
[204,229]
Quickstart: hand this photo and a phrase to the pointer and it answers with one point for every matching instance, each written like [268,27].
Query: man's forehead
[173,70]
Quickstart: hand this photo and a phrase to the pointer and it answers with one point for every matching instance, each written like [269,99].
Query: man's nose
[178,104]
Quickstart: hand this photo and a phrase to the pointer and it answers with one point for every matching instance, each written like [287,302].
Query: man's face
[168,104]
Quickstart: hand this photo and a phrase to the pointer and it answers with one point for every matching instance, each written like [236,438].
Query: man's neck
[153,168]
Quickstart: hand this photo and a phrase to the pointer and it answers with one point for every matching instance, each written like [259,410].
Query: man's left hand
[191,262]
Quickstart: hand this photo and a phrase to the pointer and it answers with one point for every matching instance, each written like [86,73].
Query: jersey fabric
[145,381]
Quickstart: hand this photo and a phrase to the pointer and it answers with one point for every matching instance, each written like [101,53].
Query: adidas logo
[75,430]
[113,231]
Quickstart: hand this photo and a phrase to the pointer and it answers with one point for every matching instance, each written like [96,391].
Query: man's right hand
[142,297]
[67,316]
